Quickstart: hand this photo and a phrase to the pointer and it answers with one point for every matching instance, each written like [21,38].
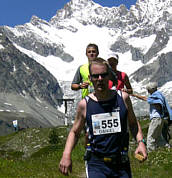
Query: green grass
[158,165]
[42,162]
[29,154]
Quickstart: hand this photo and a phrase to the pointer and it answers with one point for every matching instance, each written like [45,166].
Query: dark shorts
[96,168]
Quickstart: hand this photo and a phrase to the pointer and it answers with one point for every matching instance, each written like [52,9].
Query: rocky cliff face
[27,87]
[158,71]
[20,74]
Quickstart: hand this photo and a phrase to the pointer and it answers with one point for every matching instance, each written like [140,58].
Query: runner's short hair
[101,61]
[94,46]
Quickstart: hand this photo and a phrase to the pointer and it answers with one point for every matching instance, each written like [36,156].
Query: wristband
[142,140]
[79,86]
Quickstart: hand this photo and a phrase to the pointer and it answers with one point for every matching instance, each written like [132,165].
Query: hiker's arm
[128,88]
[144,98]
[66,163]
[135,127]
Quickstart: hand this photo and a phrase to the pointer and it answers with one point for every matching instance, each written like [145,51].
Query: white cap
[152,85]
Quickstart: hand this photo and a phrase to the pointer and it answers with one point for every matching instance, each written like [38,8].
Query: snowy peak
[87,12]
[143,14]
[36,21]
[151,11]
[71,8]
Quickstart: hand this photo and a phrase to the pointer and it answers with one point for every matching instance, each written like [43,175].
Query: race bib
[106,123]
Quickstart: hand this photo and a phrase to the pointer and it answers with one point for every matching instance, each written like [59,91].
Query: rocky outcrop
[158,71]
[27,87]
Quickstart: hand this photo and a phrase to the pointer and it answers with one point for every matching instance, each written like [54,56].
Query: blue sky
[18,12]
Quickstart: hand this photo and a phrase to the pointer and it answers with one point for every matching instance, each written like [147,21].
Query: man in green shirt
[81,80]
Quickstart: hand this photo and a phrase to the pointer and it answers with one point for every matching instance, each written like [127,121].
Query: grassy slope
[29,154]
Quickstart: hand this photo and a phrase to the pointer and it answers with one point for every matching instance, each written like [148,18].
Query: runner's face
[99,77]
[91,53]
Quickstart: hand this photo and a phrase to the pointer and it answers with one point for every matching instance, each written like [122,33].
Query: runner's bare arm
[134,126]
[75,86]
[66,163]
[129,89]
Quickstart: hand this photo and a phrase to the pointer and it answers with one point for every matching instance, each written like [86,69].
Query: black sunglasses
[96,76]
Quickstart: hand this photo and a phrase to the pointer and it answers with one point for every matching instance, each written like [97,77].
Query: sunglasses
[96,76]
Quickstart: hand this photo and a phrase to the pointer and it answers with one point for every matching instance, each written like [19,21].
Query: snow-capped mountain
[141,36]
